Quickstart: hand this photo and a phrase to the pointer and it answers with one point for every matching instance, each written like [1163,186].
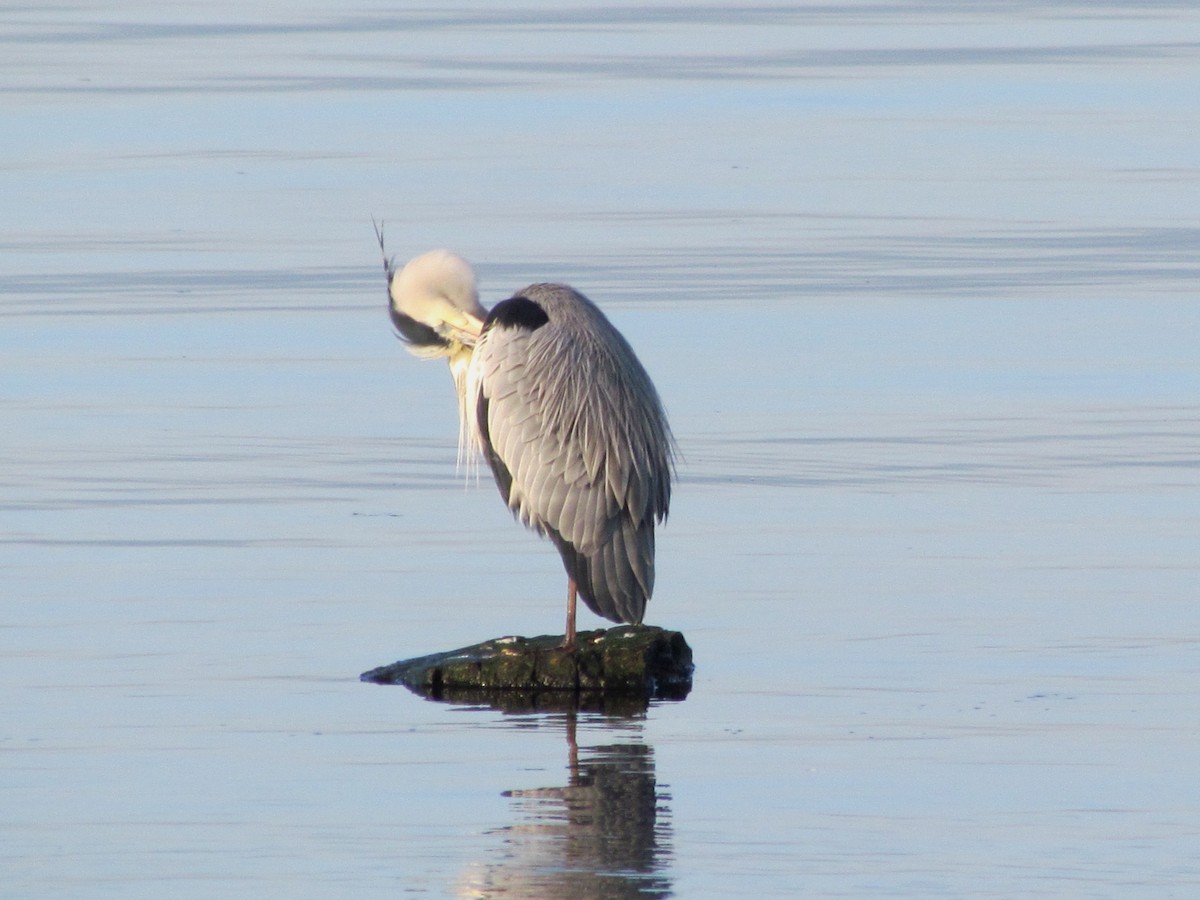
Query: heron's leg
[569,640]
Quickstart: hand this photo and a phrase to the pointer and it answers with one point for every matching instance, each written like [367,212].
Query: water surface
[917,284]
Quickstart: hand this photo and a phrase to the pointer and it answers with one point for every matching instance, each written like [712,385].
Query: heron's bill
[466,331]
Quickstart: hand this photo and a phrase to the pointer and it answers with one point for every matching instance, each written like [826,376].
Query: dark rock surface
[623,668]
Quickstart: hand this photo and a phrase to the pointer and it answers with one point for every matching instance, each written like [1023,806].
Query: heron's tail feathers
[615,581]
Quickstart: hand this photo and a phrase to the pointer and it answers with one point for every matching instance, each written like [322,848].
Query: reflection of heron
[605,834]
[568,420]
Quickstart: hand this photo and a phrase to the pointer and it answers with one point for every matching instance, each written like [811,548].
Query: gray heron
[557,403]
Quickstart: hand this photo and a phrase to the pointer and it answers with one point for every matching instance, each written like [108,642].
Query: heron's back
[577,439]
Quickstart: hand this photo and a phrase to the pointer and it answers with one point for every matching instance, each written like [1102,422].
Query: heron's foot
[568,645]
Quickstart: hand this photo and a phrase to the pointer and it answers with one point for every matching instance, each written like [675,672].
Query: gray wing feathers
[574,419]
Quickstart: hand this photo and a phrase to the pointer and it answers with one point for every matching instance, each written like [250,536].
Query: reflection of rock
[605,834]
[519,702]
[610,667]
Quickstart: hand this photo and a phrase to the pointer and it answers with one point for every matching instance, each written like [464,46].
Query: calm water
[917,283]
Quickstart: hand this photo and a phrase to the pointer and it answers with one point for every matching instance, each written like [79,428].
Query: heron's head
[435,304]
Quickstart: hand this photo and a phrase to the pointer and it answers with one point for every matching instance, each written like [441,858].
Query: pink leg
[569,640]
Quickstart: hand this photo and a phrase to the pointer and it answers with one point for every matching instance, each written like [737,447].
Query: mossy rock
[608,668]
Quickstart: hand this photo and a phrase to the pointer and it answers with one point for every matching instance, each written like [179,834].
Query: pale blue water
[917,283]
